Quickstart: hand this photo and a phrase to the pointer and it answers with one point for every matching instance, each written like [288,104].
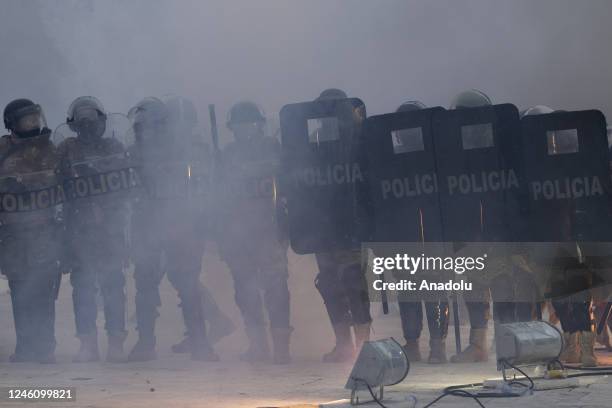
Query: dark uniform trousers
[343,287]
[261,266]
[29,260]
[99,258]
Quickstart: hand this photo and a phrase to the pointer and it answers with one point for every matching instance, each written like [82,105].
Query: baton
[384,299]
[604,318]
[213,127]
[457,323]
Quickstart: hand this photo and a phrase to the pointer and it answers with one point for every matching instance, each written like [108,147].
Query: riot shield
[250,181]
[30,222]
[247,201]
[402,176]
[101,167]
[324,175]
[176,173]
[30,198]
[479,173]
[567,171]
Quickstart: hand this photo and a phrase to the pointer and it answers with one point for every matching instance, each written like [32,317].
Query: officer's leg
[329,284]
[353,279]
[112,284]
[147,277]
[411,315]
[437,321]
[574,313]
[44,294]
[478,312]
[219,324]
[184,274]
[84,291]
[248,299]
[274,274]
[577,325]
[20,304]
[513,294]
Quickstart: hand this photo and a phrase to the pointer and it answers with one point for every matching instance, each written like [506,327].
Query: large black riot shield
[402,176]
[479,173]
[323,174]
[567,171]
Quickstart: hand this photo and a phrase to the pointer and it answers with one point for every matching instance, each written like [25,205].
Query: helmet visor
[29,122]
[89,122]
[247,130]
[86,113]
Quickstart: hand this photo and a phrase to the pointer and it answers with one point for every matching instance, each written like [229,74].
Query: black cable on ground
[578,368]
[590,374]
[456,393]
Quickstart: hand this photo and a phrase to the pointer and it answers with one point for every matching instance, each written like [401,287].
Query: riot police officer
[478,310]
[411,313]
[248,232]
[570,272]
[95,227]
[167,220]
[30,230]
[343,287]
[183,121]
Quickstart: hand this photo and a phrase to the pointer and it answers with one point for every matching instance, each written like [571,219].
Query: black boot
[280,340]
[144,349]
[184,346]
[203,351]
[89,350]
[258,350]
[344,350]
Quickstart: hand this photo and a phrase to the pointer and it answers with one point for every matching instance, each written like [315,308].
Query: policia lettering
[556,189]
[577,187]
[337,174]
[71,189]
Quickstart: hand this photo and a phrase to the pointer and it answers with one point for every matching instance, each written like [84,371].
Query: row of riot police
[532,188]
[104,190]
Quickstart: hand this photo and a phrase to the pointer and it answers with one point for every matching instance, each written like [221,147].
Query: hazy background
[553,52]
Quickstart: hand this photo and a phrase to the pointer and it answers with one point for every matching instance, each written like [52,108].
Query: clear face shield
[89,123]
[30,122]
[147,127]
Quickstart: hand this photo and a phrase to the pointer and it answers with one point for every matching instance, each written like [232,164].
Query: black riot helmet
[411,106]
[537,110]
[472,98]
[87,118]
[25,119]
[149,119]
[246,120]
[332,93]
